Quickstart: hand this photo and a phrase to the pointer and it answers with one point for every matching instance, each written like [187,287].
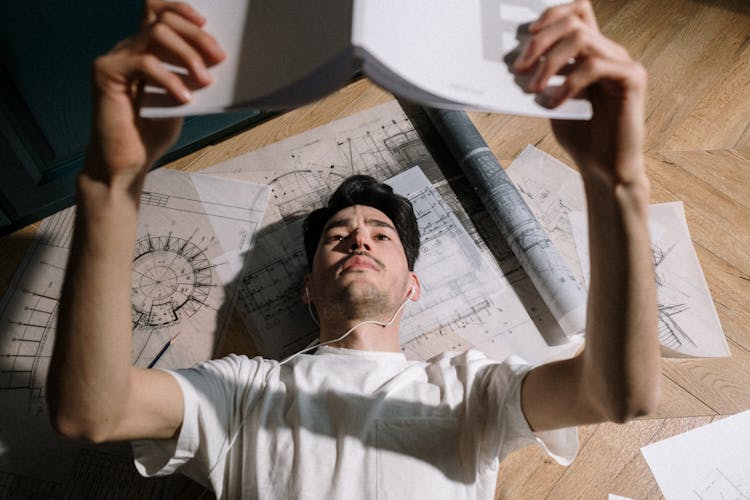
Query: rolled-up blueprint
[527,238]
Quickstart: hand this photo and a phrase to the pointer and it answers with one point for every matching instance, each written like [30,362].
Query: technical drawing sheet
[552,190]
[495,309]
[464,288]
[688,323]
[531,244]
[193,235]
[709,463]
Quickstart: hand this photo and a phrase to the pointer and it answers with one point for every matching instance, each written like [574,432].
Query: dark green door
[46,49]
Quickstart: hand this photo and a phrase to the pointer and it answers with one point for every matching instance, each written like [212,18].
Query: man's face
[360,265]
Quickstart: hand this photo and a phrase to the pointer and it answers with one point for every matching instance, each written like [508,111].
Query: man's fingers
[568,53]
[124,68]
[575,83]
[152,70]
[155,8]
[541,42]
[174,49]
[581,9]
[175,37]
[590,41]
[629,77]
[179,42]
[561,47]
[198,38]
[552,64]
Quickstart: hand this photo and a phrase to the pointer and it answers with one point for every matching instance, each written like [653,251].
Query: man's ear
[305,292]
[414,282]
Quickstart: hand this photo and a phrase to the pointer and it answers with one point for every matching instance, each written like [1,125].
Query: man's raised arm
[617,377]
[93,392]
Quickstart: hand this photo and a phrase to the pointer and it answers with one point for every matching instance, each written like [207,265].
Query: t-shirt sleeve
[505,428]
[216,393]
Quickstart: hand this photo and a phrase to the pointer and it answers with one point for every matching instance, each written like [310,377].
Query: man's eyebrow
[349,222]
[379,223]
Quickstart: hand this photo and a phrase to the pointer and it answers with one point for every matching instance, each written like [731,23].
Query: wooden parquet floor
[697,53]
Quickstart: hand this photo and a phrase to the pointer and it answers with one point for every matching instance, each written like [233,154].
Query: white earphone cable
[313,345]
[366,322]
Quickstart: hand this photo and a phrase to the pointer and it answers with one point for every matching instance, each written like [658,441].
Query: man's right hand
[93,391]
[124,145]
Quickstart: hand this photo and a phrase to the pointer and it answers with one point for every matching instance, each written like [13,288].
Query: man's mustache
[359,253]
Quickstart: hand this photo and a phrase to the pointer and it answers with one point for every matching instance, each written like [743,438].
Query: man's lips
[358,262]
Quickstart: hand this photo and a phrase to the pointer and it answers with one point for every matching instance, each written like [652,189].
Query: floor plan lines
[384,150]
[378,150]
[295,192]
[30,317]
[687,320]
[193,235]
[461,285]
[59,230]
[199,207]
[303,171]
[475,304]
[721,487]
[171,276]
[154,199]
[671,334]
[269,294]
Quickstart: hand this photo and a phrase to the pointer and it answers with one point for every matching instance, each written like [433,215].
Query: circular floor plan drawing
[171,277]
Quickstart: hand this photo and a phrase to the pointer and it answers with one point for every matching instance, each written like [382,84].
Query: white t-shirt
[344,424]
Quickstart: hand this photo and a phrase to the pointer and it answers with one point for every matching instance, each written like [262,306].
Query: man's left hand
[566,40]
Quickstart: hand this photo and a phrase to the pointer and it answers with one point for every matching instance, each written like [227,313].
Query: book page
[280,54]
[455,51]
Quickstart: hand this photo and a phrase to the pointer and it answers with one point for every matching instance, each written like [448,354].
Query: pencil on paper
[163,350]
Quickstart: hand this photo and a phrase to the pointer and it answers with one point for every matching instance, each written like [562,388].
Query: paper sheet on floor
[688,322]
[709,463]
[193,234]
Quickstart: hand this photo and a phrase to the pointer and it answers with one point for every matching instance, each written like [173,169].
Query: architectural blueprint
[460,309]
[467,299]
[688,323]
[708,463]
[194,232]
[551,193]
[530,243]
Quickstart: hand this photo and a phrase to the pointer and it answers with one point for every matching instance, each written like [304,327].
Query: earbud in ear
[412,291]
[307,293]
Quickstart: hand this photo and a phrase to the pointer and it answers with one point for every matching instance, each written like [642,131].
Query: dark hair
[364,190]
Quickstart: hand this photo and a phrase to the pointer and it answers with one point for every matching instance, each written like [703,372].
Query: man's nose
[360,240]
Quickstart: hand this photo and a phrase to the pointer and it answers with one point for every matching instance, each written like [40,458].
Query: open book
[446,54]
